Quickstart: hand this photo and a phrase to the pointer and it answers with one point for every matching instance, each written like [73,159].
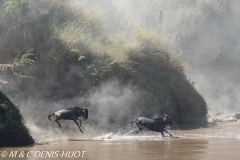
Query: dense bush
[10,114]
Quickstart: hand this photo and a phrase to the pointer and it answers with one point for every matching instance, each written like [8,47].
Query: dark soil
[10,137]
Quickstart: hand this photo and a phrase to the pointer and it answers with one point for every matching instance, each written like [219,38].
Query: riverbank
[13,131]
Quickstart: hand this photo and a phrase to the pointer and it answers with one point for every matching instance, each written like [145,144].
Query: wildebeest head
[165,119]
[86,113]
[81,113]
[168,120]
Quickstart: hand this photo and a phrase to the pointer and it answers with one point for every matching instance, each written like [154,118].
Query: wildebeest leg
[78,125]
[162,134]
[58,123]
[168,133]
[140,128]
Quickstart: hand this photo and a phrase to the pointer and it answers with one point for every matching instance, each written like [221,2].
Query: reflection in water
[194,144]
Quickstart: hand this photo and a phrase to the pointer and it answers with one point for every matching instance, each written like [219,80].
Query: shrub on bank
[12,129]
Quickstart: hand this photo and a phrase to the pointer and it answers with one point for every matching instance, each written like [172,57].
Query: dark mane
[74,107]
[158,118]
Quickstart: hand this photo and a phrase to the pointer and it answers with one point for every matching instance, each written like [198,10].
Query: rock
[10,137]
[13,131]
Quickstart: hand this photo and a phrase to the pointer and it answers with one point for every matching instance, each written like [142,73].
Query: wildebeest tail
[50,116]
[86,115]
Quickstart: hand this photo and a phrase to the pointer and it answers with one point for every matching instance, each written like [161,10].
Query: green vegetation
[10,114]
[12,125]
[25,60]
[66,52]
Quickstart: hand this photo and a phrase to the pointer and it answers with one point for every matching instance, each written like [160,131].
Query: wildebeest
[237,115]
[156,124]
[71,113]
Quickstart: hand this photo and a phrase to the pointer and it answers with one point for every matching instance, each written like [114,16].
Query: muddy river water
[220,141]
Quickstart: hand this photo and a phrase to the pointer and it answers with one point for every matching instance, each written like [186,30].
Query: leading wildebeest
[156,124]
[71,113]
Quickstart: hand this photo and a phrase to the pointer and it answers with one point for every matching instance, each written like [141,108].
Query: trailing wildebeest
[156,124]
[71,113]
[237,115]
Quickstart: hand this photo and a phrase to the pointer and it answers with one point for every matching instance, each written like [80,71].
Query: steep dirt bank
[59,52]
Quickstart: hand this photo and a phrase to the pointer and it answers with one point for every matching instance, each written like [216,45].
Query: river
[220,141]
